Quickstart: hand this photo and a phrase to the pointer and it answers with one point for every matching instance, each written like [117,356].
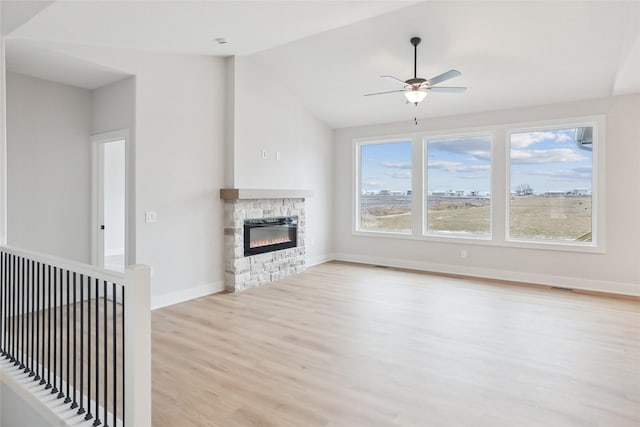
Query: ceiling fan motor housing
[415,81]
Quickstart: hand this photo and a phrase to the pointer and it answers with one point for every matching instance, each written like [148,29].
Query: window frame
[425,185]
[357,182]
[597,184]
[500,184]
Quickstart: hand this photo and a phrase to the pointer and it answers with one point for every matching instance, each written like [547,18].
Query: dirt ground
[533,217]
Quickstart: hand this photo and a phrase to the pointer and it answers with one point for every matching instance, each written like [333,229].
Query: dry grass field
[533,217]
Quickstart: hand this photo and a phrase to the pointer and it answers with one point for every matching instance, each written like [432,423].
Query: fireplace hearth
[262,235]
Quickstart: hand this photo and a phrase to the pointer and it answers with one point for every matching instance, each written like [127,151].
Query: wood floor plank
[355,345]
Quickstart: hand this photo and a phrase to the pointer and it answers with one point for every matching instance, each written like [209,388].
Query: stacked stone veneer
[248,272]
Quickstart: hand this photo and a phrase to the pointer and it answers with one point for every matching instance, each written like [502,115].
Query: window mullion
[417,200]
[500,186]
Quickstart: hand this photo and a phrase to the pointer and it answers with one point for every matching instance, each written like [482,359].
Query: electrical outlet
[264,154]
[463,253]
[277,155]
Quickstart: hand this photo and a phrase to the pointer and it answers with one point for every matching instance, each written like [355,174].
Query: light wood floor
[352,345]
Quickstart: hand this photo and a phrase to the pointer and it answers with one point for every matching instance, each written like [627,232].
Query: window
[551,177]
[531,186]
[458,186]
[385,187]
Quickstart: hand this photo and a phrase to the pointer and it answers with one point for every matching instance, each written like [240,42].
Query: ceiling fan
[416,88]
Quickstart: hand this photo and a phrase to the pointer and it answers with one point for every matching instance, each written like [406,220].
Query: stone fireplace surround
[242,272]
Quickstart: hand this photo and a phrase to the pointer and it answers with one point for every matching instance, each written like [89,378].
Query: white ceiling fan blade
[381,93]
[394,78]
[443,77]
[448,89]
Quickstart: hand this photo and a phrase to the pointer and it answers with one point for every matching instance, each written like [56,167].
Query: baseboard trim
[590,285]
[171,298]
[319,259]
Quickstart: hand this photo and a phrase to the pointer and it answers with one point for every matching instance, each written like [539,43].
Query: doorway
[110,207]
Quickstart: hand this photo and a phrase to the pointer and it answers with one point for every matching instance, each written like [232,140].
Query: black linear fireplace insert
[270,234]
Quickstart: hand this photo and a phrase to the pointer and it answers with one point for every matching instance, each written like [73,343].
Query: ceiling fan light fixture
[415,95]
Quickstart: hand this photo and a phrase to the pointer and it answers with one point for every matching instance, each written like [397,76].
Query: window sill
[485,241]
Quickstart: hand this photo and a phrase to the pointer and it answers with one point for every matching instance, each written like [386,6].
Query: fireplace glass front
[270,234]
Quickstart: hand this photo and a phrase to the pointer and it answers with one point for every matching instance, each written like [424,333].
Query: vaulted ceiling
[330,53]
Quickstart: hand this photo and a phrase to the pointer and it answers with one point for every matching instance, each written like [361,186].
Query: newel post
[137,354]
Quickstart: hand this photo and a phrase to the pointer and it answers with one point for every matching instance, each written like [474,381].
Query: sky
[461,163]
[386,166]
[550,161]
[547,161]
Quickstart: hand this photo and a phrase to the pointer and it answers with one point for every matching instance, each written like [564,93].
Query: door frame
[97,146]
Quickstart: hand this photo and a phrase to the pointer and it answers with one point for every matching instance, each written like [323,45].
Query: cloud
[397,165]
[575,174]
[450,166]
[523,140]
[372,184]
[478,147]
[399,174]
[473,176]
[555,155]
[443,164]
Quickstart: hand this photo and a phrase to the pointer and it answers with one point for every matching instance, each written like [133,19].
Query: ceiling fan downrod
[415,41]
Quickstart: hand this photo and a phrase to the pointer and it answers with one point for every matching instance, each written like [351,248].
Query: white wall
[3,149]
[15,412]
[113,106]
[179,171]
[48,132]
[268,116]
[179,167]
[617,270]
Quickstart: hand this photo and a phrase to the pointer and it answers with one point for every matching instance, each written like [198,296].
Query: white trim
[620,288]
[171,298]
[356,178]
[425,185]
[80,268]
[319,259]
[97,148]
[459,239]
[499,181]
[598,122]
[137,350]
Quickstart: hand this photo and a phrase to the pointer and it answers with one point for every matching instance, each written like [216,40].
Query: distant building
[438,193]
[555,193]
[384,192]
[580,192]
[409,192]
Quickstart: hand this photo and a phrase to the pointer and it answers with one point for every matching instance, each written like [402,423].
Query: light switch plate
[150,216]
